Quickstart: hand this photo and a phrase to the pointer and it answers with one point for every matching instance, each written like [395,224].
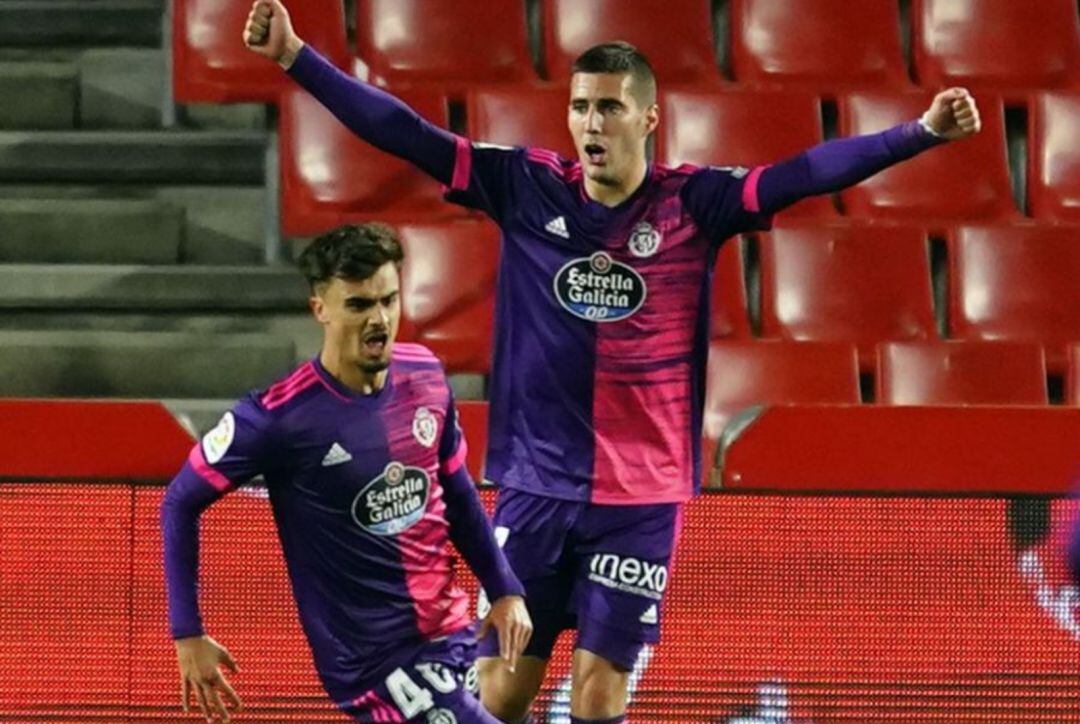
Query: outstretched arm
[374,115]
[198,656]
[837,164]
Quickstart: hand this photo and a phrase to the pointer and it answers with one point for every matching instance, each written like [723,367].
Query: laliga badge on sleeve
[216,442]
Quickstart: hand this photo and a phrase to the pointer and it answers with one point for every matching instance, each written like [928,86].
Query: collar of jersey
[341,390]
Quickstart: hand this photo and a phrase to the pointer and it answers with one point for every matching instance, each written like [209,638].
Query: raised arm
[843,162]
[374,115]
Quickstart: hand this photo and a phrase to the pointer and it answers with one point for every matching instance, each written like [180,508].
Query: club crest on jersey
[392,502]
[644,240]
[425,427]
[216,442]
[599,289]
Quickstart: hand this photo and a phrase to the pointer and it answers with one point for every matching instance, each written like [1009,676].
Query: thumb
[227,659]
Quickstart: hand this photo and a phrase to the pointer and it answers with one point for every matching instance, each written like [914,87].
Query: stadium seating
[859,284]
[329,175]
[740,128]
[729,318]
[961,181]
[1054,157]
[449,44]
[961,373]
[1002,44]
[817,45]
[448,290]
[211,65]
[1072,388]
[761,372]
[520,115]
[473,415]
[1017,282]
[675,35]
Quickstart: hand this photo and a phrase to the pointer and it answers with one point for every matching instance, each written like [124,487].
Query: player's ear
[318,307]
[652,118]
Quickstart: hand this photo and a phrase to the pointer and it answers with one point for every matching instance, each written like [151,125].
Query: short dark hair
[621,57]
[353,252]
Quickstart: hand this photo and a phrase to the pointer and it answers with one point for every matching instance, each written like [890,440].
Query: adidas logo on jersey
[650,615]
[336,456]
[557,226]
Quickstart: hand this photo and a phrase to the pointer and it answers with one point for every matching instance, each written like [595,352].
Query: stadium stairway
[131,250]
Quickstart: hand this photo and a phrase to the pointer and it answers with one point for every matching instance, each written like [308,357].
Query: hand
[199,658]
[953,114]
[269,32]
[510,618]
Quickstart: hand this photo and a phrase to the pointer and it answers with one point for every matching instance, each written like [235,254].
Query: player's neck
[612,195]
[354,378]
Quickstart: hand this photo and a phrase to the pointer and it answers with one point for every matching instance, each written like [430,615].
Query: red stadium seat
[1072,389]
[211,65]
[1054,153]
[961,373]
[520,115]
[818,45]
[959,181]
[675,35]
[729,318]
[1017,282]
[1006,45]
[856,284]
[740,128]
[450,44]
[448,290]
[328,175]
[746,373]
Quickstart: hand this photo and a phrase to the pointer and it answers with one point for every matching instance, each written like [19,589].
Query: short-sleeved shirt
[602,318]
[354,485]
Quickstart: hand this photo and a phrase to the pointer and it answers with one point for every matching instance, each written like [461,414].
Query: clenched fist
[953,114]
[269,32]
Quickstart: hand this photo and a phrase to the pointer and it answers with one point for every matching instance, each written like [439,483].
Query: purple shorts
[437,686]
[601,569]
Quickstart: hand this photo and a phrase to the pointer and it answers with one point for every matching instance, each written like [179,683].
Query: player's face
[609,126]
[361,318]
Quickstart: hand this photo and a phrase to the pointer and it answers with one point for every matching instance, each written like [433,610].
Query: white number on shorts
[410,698]
[439,677]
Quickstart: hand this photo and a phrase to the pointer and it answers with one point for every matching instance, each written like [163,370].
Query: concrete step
[118,364]
[152,288]
[38,94]
[224,224]
[121,88]
[297,326]
[113,157]
[43,23]
[90,231]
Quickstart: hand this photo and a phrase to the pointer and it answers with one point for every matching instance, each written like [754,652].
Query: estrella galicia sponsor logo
[599,289]
[631,575]
[392,502]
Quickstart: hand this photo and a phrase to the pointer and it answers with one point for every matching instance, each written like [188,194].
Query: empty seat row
[825,46]
[761,372]
[327,172]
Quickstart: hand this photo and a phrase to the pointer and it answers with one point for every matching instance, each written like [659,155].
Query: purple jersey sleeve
[488,178]
[379,118]
[470,529]
[723,201]
[228,455]
[840,163]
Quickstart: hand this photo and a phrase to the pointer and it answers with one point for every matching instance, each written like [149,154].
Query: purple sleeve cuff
[185,499]
[840,163]
[471,532]
[379,118]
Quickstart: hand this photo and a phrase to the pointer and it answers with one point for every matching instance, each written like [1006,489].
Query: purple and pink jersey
[598,378]
[367,491]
